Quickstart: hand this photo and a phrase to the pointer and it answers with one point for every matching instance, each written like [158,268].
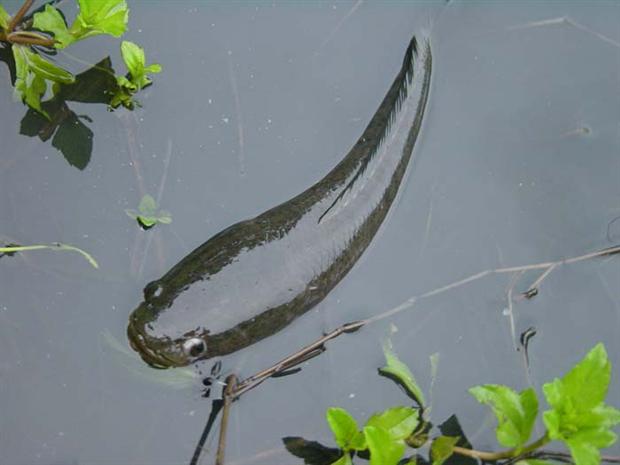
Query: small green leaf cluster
[148,213]
[137,77]
[578,417]
[95,17]
[386,434]
[383,434]
[35,74]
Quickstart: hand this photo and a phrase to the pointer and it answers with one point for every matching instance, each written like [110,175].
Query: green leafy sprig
[578,417]
[148,213]
[48,28]
[137,76]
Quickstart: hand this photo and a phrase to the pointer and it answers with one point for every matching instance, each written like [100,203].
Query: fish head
[155,345]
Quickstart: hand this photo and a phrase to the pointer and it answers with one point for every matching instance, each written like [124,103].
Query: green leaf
[400,422]
[344,460]
[579,416]
[135,60]
[164,217]
[587,382]
[32,71]
[51,20]
[153,68]
[147,221]
[147,205]
[5,18]
[29,87]
[147,213]
[516,413]
[345,430]
[584,453]
[400,372]
[442,448]
[100,17]
[48,70]
[133,56]
[384,450]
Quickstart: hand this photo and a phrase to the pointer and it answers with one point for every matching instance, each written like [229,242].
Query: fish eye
[194,347]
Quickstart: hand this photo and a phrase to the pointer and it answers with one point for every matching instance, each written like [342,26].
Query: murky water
[517,163]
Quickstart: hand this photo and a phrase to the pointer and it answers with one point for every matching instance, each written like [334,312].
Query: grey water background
[258,101]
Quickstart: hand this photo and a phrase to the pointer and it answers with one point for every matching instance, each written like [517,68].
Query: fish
[255,277]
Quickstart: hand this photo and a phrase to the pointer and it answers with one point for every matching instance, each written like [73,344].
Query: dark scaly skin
[252,279]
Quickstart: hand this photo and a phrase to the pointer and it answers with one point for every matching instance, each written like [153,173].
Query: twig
[231,384]
[513,269]
[564,457]
[17,17]
[215,410]
[506,454]
[339,25]
[565,20]
[240,136]
[510,314]
[28,38]
[533,289]
[298,357]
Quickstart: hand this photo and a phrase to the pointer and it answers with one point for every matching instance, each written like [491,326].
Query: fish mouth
[137,340]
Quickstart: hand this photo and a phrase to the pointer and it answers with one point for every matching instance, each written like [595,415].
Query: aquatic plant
[148,213]
[14,248]
[46,31]
[577,416]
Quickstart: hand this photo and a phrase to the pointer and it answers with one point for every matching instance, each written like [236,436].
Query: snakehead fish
[255,277]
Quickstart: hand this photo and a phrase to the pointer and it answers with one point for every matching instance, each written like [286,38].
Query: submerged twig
[240,136]
[215,410]
[296,358]
[563,457]
[17,17]
[338,26]
[231,385]
[564,20]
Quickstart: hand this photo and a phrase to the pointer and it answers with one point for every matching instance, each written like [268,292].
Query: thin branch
[240,137]
[231,384]
[295,359]
[565,20]
[513,269]
[564,457]
[533,289]
[29,38]
[506,454]
[215,410]
[510,314]
[19,15]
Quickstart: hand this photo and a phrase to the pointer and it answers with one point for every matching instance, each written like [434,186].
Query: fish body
[253,278]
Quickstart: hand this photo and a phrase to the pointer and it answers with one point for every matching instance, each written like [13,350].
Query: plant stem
[506,454]
[231,384]
[54,246]
[28,38]
[19,15]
